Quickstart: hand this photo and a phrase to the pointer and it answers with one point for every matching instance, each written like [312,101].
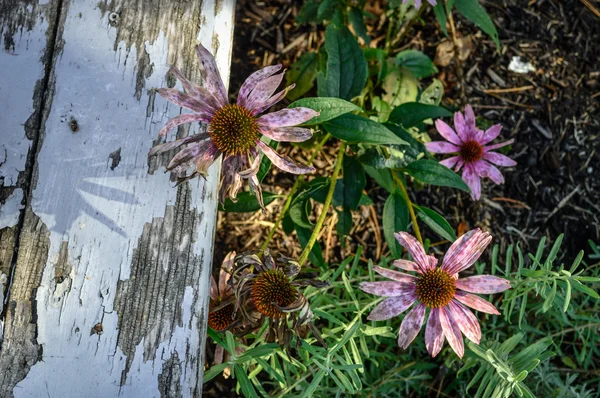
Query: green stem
[411,209]
[323,215]
[290,197]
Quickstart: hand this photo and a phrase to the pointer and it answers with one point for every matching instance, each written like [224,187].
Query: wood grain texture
[110,285]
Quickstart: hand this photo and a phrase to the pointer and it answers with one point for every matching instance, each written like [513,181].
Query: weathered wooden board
[109,288]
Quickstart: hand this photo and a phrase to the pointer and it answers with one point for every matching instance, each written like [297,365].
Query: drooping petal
[214,290]
[450,162]
[499,159]
[167,146]
[204,107]
[465,251]
[253,80]
[211,76]
[207,158]
[496,146]
[287,117]
[283,162]
[466,321]
[461,127]
[191,153]
[225,275]
[395,275]
[287,134]
[452,332]
[387,288]
[263,91]
[257,190]
[252,170]
[441,147]
[485,169]
[182,119]
[260,108]
[407,265]
[414,248]
[447,132]
[471,178]
[483,284]
[490,134]
[411,324]
[231,182]
[476,302]
[392,307]
[434,334]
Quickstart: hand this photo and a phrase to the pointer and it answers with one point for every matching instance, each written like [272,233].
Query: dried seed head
[233,130]
[270,290]
[436,288]
[221,318]
[471,151]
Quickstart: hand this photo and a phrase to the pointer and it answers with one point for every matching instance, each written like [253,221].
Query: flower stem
[323,215]
[291,194]
[411,209]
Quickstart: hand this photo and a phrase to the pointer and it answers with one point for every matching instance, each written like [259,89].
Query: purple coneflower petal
[392,307]
[485,169]
[411,324]
[452,332]
[490,134]
[483,284]
[263,91]
[214,290]
[191,153]
[212,78]
[441,147]
[461,127]
[183,119]
[283,162]
[415,249]
[466,321]
[465,251]
[496,146]
[287,117]
[167,146]
[395,275]
[207,158]
[257,190]
[447,132]
[476,302]
[499,159]
[252,170]
[207,109]
[450,162]
[470,123]
[188,87]
[287,134]
[225,275]
[387,288]
[260,108]
[471,178]
[434,334]
[432,2]
[253,80]
[407,265]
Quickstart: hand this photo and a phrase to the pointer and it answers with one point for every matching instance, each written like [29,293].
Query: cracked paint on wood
[89,223]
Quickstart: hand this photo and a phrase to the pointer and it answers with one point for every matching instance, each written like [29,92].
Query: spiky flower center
[436,288]
[233,130]
[270,290]
[221,318]
[471,151]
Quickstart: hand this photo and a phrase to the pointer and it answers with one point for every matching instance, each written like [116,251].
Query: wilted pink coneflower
[469,143]
[440,290]
[234,130]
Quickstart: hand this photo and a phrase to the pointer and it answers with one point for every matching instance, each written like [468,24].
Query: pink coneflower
[469,143]
[234,130]
[439,289]
[418,3]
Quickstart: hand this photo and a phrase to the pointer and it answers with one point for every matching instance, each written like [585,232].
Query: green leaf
[550,298]
[584,289]
[303,73]
[419,64]
[383,178]
[431,172]
[312,387]
[330,108]
[354,181]
[355,16]
[344,225]
[316,255]
[378,158]
[245,384]
[247,202]
[567,296]
[474,12]
[440,15]
[357,129]
[346,73]
[257,352]
[395,219]
[300,209]
[214,371]
[326,9]
[411,113]
[381,66]
[432,95]
[436,222]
